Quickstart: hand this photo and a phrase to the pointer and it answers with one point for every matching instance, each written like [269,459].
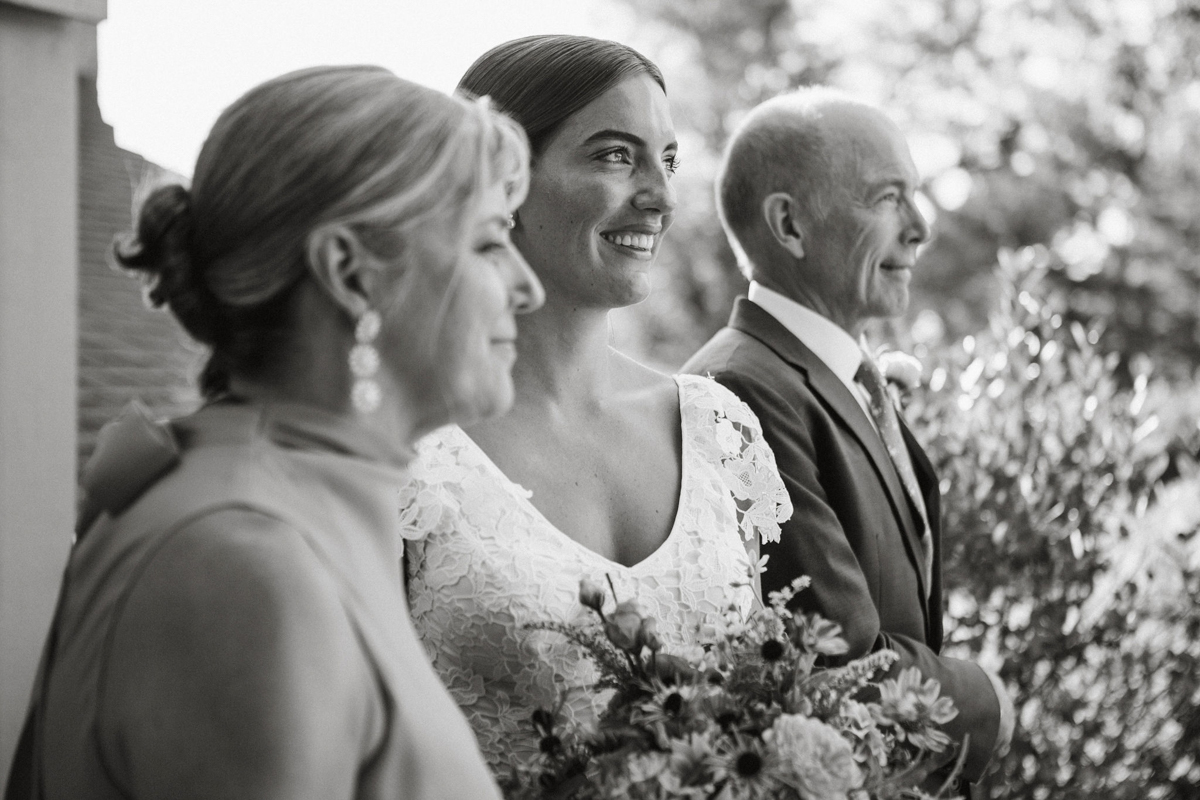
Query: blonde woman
[232,624]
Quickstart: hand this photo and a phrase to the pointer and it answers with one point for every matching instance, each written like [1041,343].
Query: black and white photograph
[600,399]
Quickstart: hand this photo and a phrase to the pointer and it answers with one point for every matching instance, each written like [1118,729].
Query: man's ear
[783,220]
[343,267]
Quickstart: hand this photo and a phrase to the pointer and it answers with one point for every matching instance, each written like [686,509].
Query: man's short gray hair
[779,147]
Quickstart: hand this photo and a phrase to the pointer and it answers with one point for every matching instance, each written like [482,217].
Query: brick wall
[126,349]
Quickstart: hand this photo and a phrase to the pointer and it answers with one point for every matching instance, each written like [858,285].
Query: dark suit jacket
[854,531]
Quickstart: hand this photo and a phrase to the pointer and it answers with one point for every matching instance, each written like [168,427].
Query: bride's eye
[617,155]
[672,164]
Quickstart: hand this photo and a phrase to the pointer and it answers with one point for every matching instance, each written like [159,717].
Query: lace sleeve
[426,501]
[447,471]
[731,436]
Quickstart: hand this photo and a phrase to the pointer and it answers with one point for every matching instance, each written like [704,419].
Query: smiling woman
[231,622]
[602,198]
[604,467]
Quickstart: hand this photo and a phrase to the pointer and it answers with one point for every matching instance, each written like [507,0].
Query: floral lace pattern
[483,562]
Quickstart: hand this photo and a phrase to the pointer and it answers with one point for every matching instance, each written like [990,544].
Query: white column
[38,332]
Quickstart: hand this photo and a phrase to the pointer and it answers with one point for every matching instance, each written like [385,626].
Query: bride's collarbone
[639,421]
[599,456]
[606,446]
[613,488]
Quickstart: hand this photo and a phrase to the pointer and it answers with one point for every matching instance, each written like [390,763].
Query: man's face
[858,260]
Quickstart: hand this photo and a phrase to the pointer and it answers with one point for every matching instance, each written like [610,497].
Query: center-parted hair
[328,145]
[542,80]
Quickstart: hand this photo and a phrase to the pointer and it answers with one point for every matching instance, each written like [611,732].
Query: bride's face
[600,198]
[451,340]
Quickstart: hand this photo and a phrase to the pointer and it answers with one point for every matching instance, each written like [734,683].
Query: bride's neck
[564,356]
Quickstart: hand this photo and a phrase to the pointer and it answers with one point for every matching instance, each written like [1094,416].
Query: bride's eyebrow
[609,134]
[619,135]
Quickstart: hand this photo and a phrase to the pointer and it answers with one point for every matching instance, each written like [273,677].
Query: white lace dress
[483,561]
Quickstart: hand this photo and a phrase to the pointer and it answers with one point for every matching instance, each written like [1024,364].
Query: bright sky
[168,67]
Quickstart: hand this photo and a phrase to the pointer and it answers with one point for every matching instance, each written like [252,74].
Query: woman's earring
[364,363]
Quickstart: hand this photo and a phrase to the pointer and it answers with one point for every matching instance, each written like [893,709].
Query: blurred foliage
[1067,123]
[1061,135]
[1076,570]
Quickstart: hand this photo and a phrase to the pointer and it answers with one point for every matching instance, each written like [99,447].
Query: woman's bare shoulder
[637,378]
[234,662]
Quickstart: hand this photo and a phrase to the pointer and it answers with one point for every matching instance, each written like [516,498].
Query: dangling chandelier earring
[364,363]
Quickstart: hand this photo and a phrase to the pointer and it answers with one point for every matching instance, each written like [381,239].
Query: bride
[604,467]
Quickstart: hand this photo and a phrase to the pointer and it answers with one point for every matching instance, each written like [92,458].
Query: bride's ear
[344,268]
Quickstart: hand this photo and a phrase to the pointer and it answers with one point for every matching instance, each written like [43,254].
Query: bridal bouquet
[749,715]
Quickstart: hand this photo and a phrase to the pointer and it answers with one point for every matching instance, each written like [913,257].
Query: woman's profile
[604,467]
[231,622]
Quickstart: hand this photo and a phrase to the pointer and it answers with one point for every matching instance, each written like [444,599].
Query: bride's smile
[601,198]
[604,467]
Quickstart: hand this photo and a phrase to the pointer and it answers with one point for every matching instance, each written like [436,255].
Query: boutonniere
[901,371]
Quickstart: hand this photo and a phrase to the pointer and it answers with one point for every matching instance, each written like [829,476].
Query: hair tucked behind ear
[348,145]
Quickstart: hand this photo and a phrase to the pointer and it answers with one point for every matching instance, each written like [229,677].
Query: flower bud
[672,670]
[591,594]
[624,625]
[648,633]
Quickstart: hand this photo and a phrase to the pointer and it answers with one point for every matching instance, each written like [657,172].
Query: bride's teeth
[641,241]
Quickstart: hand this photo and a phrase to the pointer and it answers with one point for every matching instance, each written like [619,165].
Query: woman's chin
[481,406]
[636,297]
[641,289]
[631,291]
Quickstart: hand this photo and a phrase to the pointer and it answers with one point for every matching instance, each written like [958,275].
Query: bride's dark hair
[328,145]
[540,81]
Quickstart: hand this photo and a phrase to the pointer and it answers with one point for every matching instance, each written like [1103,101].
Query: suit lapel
[752,320]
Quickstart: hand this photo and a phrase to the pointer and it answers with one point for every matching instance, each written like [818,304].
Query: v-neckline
[524,496]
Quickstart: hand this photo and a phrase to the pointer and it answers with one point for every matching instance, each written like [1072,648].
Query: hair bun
[159,247]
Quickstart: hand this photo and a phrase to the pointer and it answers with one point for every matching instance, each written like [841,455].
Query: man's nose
[917,232]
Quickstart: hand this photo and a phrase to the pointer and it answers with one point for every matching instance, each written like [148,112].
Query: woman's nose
[655,191]
[525,292]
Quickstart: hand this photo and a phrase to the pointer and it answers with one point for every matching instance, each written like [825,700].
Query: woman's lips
[635,241]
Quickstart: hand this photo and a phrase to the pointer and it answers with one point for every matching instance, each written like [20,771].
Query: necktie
[888,423]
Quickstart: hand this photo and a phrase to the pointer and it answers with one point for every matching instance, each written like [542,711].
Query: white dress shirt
[836,348]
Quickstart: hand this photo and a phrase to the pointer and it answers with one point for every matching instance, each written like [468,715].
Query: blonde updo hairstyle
[330,145]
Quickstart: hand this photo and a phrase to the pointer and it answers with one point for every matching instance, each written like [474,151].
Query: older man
[817,196]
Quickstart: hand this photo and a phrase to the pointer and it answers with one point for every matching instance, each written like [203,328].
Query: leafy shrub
[1072,568]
